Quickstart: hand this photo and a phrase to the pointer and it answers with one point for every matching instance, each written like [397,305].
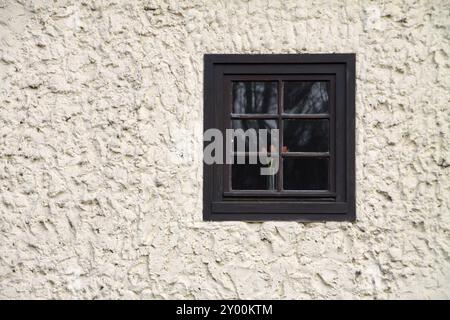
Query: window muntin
[301,136]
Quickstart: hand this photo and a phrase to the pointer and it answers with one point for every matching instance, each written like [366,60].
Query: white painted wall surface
[100,137]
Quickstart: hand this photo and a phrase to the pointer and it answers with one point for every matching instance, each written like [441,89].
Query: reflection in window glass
[255,97]
[248,176]
[306,97]
[306,135]
[255,124]
[305,174]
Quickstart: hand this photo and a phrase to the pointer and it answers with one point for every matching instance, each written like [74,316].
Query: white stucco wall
[100,133]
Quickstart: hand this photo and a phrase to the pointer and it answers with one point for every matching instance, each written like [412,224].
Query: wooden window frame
[336,204]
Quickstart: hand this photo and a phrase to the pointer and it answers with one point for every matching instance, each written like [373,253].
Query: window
[306,104]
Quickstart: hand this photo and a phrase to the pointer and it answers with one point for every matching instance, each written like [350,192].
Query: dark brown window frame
[337,204]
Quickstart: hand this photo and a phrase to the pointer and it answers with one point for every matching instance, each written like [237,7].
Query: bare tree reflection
[253,124]
[255,97]
[306,135]
[306,97]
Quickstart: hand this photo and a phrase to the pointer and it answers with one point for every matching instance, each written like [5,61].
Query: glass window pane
[255,97]
[305,135]
[306,97]
[305,173]
[248,176]
[255,124]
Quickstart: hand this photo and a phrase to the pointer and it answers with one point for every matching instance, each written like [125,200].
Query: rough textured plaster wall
[100,131]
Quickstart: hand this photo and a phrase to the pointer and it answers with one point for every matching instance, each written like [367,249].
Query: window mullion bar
[280,138]
[306,154]
[252,116]
[306,116]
